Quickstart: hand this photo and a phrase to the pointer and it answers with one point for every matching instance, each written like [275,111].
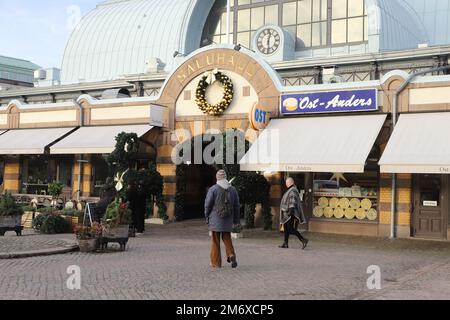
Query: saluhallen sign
[329,102]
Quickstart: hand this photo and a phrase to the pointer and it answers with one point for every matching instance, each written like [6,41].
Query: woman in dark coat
[141,208]
[132,199]
[291,214]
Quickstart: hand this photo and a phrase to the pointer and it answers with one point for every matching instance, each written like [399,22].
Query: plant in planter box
[117,220]
[10,212]
[74,216]
[88,237]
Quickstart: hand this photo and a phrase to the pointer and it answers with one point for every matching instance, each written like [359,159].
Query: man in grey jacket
[222,211]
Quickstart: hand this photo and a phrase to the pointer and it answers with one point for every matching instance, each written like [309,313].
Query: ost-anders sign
[328,102]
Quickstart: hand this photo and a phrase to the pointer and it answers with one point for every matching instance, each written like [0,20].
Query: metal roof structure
[121,38]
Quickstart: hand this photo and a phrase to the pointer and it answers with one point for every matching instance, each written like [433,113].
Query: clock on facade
[268,41]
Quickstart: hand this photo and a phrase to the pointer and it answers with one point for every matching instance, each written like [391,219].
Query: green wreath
[200,98]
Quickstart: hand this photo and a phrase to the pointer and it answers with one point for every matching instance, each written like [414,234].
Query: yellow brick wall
[12,167]
[404,200]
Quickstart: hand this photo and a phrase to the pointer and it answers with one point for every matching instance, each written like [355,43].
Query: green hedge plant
[51,224]
[9,206]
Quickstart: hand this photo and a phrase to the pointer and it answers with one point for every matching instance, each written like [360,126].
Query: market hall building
[320,82]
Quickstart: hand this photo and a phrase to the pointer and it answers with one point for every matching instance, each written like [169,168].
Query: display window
[350,197]
[39,171]
[100,172]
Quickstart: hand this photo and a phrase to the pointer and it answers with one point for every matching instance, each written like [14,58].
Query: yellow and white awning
[30,141]
[95,140]
[420,144]
[319,144]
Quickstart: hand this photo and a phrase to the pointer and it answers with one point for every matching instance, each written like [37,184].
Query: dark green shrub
[72,213]
[267,216]
[51,224]
[9,206]
[250,210]
[47,210]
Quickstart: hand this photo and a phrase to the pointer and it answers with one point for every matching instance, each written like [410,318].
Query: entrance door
[199,178]
[430,206]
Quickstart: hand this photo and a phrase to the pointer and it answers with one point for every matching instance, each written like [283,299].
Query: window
[314,23]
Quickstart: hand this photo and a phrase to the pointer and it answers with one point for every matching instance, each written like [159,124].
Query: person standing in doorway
[132,199]
[291,214]
[222,211]
[141,207]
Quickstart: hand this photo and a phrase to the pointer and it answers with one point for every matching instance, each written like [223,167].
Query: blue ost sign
[329,102]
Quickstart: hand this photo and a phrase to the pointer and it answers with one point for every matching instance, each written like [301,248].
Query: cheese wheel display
[350,214]
[366,204]
[318,212]
[355,203]
[339,213]
[323,202]
[361,214]
[344,203]
[334,203]
[328,212]
[372,214]
[291,104]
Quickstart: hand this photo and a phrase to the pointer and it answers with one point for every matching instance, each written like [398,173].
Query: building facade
[326,72]
[16,73]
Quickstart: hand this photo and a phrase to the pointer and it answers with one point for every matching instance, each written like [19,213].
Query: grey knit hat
[221,175]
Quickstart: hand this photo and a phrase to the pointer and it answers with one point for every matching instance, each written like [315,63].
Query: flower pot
[10,221]
[117,232]
[89,245]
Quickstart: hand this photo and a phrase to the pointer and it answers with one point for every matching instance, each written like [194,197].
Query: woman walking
[291,214]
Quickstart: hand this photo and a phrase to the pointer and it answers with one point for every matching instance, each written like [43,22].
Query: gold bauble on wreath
[200,97]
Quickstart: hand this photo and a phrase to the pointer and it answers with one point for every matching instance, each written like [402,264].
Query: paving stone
[172,262]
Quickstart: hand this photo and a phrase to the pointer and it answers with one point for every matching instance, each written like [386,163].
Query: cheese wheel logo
[291,104]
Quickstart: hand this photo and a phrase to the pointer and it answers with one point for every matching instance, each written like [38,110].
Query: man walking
[221,212]
[291,214]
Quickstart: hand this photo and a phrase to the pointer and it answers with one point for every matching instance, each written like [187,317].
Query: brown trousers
[216,256]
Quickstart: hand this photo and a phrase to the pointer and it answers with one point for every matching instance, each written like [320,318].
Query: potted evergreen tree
[10,215]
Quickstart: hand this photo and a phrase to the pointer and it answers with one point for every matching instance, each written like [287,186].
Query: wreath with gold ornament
[208,79]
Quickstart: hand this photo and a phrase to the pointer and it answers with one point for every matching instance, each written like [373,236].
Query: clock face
[268,41]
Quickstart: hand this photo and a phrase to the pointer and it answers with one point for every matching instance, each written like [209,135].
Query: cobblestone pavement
[172,262]
[10,243]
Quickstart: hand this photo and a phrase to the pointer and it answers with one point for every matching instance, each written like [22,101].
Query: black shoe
[233,262]
[305,243]
[284,246]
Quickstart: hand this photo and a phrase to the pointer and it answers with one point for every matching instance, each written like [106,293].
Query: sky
[37,30]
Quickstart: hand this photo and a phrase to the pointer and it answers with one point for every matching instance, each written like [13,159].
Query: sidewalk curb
[69,247]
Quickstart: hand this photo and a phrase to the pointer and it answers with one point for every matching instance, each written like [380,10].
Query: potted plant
[55,189]
[237,232]
[88,237]
[73,216]
[116,224]
[10,215]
